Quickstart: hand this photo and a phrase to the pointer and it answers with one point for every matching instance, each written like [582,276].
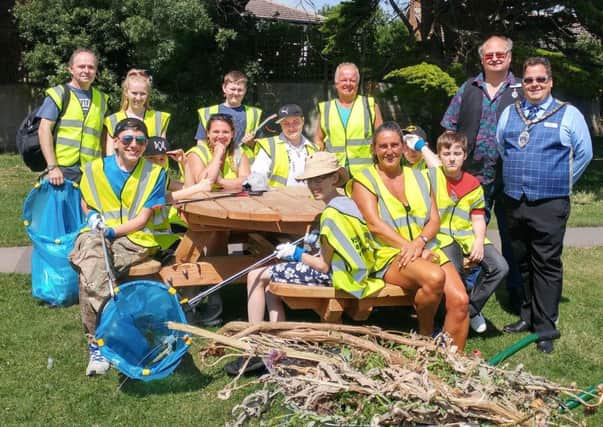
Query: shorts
[300,274]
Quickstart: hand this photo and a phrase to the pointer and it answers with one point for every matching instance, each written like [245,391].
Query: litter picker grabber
[193,302]
[264,123]
[222,195]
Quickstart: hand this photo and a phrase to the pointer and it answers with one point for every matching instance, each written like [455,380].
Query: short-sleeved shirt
[296,156]
[485,151]
[239,118]
[118,177]
[50,111]
[459,188]
[344,113]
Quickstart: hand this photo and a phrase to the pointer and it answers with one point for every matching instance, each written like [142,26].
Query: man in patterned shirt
[474,111]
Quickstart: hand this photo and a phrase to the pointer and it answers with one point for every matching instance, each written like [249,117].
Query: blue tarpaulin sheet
[53,218]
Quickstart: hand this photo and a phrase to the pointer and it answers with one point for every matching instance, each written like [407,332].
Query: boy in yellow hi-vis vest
[460,200]
[118,194]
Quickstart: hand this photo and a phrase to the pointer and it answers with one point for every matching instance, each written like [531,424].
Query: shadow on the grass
[186,378]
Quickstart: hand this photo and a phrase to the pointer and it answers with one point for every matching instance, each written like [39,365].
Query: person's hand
[96,221]
[289,252]
[55,176]
[219,150]
[414,142]
[431,256]
[409,252]
[248,139]
[477,252]
[312,240]
[109,233]
[177,155]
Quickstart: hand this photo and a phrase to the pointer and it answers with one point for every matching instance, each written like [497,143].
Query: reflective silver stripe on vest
[103,107]
[68,142]
[90,152]
[72,123]
[339,265]
[91,131]
[206,114]
[145,175]
[462,233]
[349,249]
[367,117]
[279,179]
[358,142]
[332,149]
[444,212]
[272,147]
[157,123]
[113,122]
[346,206]
[461,213]
[160,216]
[385,214]
[424,192]
[360,161]
[255,117]
[327,115]
[90,177]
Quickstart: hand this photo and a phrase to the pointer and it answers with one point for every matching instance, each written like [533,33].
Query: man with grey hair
[474,111]
[346,124]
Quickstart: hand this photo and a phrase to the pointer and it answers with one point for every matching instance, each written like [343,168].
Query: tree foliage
[187,45]
[422,91]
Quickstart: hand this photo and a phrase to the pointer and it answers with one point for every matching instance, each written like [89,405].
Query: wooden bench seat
[330,303]
[148,269]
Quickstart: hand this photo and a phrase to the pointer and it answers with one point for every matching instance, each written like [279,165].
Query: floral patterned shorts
[300,274]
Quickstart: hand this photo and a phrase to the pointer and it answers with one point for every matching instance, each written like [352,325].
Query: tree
[187,45]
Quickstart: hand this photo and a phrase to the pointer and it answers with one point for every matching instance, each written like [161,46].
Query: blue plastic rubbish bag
[53,218]
[132,332]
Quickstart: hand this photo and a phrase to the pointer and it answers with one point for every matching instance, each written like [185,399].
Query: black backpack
[28,143]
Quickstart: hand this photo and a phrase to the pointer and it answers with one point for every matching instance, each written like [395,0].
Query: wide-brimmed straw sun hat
[323,163]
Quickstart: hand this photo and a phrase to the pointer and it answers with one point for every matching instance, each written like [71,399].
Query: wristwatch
[424,238]
[51,167]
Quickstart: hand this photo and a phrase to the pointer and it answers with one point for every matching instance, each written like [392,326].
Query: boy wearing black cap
[281,158]
[118,194]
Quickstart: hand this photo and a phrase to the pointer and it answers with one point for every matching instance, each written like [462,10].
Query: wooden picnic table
[288,211]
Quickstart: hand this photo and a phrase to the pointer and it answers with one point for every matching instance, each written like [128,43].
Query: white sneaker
[97,365]
[478,323]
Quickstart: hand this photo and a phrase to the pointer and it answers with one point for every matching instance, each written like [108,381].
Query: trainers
[478,323]
[255,365]
[97,365]
[211,311]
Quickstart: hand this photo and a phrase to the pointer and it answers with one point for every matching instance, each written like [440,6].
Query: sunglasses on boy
[540,79]
[127,139]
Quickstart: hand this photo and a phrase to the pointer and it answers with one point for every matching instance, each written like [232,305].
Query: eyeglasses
[127,139]
[140,72]
[498,55]
[540,79]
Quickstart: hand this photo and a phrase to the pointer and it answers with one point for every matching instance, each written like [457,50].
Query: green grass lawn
[32,394]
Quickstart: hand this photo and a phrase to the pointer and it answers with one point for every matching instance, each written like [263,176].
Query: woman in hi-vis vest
[401,214]
[214,161]
[136,90]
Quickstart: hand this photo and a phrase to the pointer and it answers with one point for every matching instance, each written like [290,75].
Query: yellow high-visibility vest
[157,122]
[351,143]
[276,149]
[342,225]
[202,150]
[118,209]
[455,214]
[78,137]
[408,221]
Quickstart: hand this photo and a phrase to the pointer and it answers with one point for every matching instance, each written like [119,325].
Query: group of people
[410,217]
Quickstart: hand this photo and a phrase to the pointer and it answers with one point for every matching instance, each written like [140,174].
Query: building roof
[267,9]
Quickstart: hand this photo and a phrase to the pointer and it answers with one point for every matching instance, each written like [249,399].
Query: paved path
[18,260]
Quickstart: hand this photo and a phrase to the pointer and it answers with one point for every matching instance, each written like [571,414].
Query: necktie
[532,111]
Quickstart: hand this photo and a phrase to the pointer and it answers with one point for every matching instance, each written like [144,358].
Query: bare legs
[456,322]
[427,279]
[258,298]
